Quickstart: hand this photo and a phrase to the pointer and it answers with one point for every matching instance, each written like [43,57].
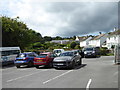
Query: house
[98,41]
[84,41]
[77,38]
[113,39]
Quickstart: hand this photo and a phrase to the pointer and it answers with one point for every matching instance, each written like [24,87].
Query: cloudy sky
[63,18]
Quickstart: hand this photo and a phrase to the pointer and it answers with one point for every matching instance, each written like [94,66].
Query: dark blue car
[25,59]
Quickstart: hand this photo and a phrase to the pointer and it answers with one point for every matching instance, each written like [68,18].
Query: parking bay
[94,72]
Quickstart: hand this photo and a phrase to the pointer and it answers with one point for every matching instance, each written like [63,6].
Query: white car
[58,51]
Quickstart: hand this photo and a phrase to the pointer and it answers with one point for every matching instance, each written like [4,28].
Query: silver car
[67,59]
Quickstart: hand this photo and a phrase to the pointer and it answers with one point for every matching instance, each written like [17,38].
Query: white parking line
[56,77]
[14,71]
[24,76]
[21,69]
[88,84]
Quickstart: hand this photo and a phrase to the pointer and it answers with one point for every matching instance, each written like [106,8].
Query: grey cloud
[63,7]
[85,18]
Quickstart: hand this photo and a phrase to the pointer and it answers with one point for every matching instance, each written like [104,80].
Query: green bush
[104,51]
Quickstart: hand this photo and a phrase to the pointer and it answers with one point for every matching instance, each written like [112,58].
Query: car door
[52,56]
[75,57]
[31,57]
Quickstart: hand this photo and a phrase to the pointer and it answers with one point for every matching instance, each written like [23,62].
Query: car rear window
[42,56]
[57,51]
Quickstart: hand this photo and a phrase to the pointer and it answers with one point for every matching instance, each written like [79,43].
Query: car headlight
[93,52]
[85,52]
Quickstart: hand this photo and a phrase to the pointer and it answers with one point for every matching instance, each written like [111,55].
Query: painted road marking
[4,72]
[24,76]
[88,84]
[57,76]
[22,69]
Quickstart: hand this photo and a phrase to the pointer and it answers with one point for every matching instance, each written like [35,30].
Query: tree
[112,47]
[47,38]
[72,45]
[77,47]
[74,37]
[58,38]
[16,33]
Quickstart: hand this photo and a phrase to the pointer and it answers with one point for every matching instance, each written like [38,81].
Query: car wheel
[73,65]
[18,66]
[56,68]
[50,65]
[37,67]
[30,64]
[80,62]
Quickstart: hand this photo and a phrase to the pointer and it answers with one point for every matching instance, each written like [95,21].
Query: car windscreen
[66,54]
[21,55]
[57,51]
[88,49]
[42,56]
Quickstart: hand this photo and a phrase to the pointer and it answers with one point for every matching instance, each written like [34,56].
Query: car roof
[26,52]
[67,51]
[46,53]
[58,49]
[76,50]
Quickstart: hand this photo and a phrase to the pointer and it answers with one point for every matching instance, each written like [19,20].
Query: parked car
[25,59]
[44,59]
[91,52]
[80,52]
[67,59]
[58,51]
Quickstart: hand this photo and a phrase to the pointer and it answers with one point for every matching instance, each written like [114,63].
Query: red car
[44,59]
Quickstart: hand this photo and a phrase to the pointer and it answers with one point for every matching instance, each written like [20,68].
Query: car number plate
[89,54]
[19,61]
[39,60]
[60,64]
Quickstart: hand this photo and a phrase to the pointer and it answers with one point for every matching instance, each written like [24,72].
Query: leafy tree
[113,46]
[77,47]
[16,33]
[74,37]
[72,45]
[47,38]
[58,38]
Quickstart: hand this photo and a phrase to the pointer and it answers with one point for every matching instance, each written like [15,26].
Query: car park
[26,58]
[67,59]
[44,59]
[91,52]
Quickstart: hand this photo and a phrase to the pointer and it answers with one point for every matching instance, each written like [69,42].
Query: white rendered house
[113,39]
[98,41]
[85,42]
